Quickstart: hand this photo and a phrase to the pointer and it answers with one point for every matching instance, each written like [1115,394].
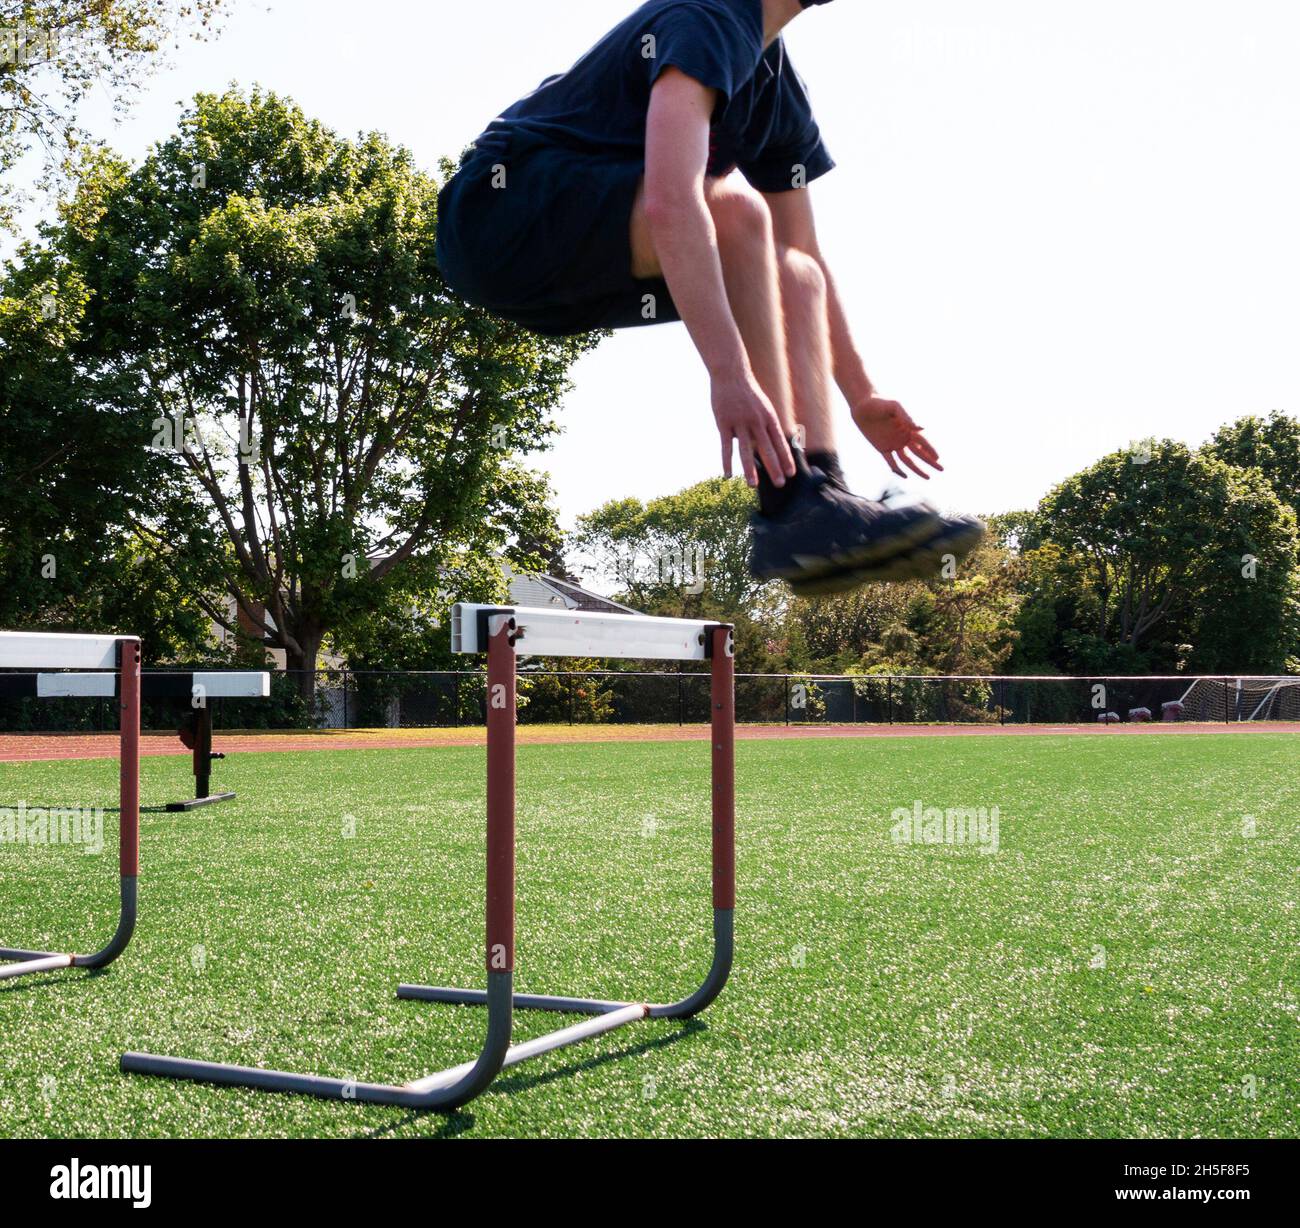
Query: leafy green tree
[1269,446]
[325,419]
[682,553]
[840,631]
[55,52]
[1054,599]
[1156,537]
[70,468]
[1018,531]
[1246,618]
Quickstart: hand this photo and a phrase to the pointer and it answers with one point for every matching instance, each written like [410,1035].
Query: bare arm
[686,246]
[886,424]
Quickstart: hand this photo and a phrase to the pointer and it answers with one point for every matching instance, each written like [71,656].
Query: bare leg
[807,326]
[750,269]
[779,299]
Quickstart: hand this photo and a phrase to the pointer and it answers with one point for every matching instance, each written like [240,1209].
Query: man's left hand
[889,428]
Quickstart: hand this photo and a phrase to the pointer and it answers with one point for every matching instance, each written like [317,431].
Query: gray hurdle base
[36,650]
[498,631]
[197,687]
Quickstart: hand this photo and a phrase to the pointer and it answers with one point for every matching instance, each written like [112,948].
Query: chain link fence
[346,699]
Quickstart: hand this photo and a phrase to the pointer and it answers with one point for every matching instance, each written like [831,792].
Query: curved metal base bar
[46,961]
[36,963]
[209,799]
[719,971]
[446,1090]
[724,946]
[523,1001]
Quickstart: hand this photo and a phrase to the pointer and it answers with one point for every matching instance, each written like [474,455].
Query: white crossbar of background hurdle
[202,685]
[199,687]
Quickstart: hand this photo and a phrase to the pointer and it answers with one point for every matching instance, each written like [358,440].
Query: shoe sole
[918,564]
[816,567]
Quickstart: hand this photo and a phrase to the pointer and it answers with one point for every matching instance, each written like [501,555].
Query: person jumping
[607,198]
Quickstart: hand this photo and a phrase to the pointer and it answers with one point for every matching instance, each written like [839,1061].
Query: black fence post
[681,699]
[889,697]
[455,701]
[786,683]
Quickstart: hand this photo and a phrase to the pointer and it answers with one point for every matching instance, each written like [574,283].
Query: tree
[679,553]
[1055,599]
[1246,618]
[69,471]
[328,429]
[54,52]
[1157,535]
[1269,446]
[840,631]
[972,630]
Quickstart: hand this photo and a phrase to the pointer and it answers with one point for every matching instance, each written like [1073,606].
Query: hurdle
[504,633]
[195,732]
[35,650]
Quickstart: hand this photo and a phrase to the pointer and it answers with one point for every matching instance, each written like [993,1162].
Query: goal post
[505,633]
[1238,699]
[41,651]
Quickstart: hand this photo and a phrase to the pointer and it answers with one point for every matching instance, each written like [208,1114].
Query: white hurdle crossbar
[57,650]
[504,634]
[28,650]
[580,633]
[198,686]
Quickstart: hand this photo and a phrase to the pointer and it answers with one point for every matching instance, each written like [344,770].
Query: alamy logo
[976,826]
[117,1182]
[53,825]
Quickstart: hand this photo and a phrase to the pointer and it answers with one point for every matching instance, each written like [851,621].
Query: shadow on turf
[64,805]
[55,976]
[462,1120]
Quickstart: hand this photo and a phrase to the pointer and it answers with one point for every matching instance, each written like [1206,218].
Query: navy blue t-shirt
[763,122]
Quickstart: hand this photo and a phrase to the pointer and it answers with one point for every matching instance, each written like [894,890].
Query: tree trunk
[302,663]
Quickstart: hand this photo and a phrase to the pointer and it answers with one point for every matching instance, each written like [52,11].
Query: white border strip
[75,686]
[234,686]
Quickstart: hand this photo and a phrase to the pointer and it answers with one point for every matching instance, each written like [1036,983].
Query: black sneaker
[957,537]
[825,530]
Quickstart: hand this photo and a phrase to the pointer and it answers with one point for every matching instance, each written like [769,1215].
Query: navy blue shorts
[551,249]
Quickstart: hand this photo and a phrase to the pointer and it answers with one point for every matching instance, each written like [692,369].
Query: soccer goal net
[1242,699]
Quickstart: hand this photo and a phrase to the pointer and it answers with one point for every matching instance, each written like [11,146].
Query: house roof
[546,592]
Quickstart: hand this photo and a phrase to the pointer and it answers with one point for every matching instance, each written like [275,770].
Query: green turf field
[1126,964]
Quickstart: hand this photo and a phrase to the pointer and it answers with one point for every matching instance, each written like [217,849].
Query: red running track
[44,747]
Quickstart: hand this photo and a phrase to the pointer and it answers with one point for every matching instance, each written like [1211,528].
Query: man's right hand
[746,418]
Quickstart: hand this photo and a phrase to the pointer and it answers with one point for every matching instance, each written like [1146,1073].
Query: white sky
[1059,227]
